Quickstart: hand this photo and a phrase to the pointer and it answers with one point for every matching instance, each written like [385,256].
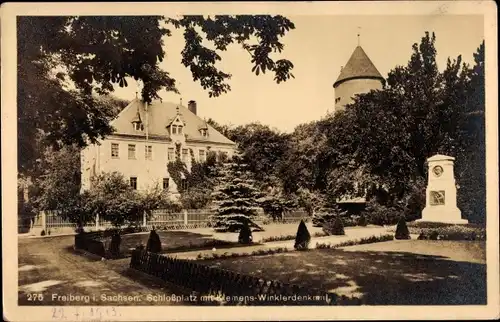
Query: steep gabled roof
[358,66]
[160,115]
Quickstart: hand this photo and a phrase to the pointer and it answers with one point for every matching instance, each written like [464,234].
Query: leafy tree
[334,226]
[303,238]
[381,142]
[235,198]
[94,54]
[112,198]
[310,201]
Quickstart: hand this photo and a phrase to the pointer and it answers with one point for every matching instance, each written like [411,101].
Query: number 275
[35,297]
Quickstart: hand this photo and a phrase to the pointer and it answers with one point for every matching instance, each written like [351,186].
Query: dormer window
[204,132]
[176,129]
[138,126]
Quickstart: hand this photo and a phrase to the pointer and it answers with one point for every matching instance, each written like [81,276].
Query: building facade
[149,136]
[357,77]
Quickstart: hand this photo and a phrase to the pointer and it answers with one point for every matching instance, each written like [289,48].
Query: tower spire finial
[359,35]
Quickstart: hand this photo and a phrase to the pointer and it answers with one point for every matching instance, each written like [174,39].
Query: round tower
[358,76]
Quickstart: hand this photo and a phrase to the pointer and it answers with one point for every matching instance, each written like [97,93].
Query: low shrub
[366,240]
[362,221]
[334,227]
[42,233]
[446,231]
[289,237]
[302,238]
[402,231]
[260,252]
[154,242]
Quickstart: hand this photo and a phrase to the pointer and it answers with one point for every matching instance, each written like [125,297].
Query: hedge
[232,287]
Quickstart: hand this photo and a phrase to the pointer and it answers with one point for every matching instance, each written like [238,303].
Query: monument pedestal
[441,193]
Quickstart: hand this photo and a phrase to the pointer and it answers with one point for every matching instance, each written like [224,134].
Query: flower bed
[444,231]
[288,237]
[367,240]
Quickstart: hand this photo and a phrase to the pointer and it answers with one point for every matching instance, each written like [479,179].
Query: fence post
[185,216]
[144,219]
[97,222]
[44,220]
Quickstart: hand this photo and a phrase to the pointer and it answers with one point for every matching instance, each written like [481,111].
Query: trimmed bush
[114,246]
[334,227]
[245,236]
[362,221]
[402,231]
[42,233]
[302,238]
[154,242]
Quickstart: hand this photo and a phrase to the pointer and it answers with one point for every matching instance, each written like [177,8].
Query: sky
[318,47]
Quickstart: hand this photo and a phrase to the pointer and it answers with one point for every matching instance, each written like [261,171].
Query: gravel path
[50,273]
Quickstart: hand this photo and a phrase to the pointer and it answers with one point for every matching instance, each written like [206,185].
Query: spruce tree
[235,197]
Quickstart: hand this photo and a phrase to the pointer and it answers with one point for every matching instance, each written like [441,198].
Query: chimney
[192,107]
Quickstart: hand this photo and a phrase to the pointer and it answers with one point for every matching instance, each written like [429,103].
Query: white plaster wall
[348,89]
[148,172]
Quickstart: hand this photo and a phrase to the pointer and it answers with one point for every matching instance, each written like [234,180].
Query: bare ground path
[50,273]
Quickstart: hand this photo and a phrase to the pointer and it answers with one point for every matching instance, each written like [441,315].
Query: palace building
[149,136]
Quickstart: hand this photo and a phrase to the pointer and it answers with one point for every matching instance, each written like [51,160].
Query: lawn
[173,241]
[403,272]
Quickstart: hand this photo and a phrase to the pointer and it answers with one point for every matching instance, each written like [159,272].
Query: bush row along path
[49,266]
[351,233]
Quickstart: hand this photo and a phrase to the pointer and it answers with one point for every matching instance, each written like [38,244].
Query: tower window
[166,182]
[174,129]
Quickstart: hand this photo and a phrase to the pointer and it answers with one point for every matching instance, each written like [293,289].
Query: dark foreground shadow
[380,278]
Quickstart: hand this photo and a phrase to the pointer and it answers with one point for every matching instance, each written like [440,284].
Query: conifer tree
[402,231]
[235,197]
[303,237]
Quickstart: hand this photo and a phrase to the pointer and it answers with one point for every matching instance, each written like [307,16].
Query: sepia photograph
[161,160]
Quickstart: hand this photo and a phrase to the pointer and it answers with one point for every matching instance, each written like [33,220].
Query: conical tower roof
[358,66]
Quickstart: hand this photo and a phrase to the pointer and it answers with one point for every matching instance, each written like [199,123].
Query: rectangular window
[184,184]
[174,129]
[131,151]
[171,154]
[149,152]
[133,182]
[166,182]
[115,150]
[185,155]
[179,129]
[202,156]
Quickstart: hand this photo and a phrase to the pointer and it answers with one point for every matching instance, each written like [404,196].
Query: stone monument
[441,192]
